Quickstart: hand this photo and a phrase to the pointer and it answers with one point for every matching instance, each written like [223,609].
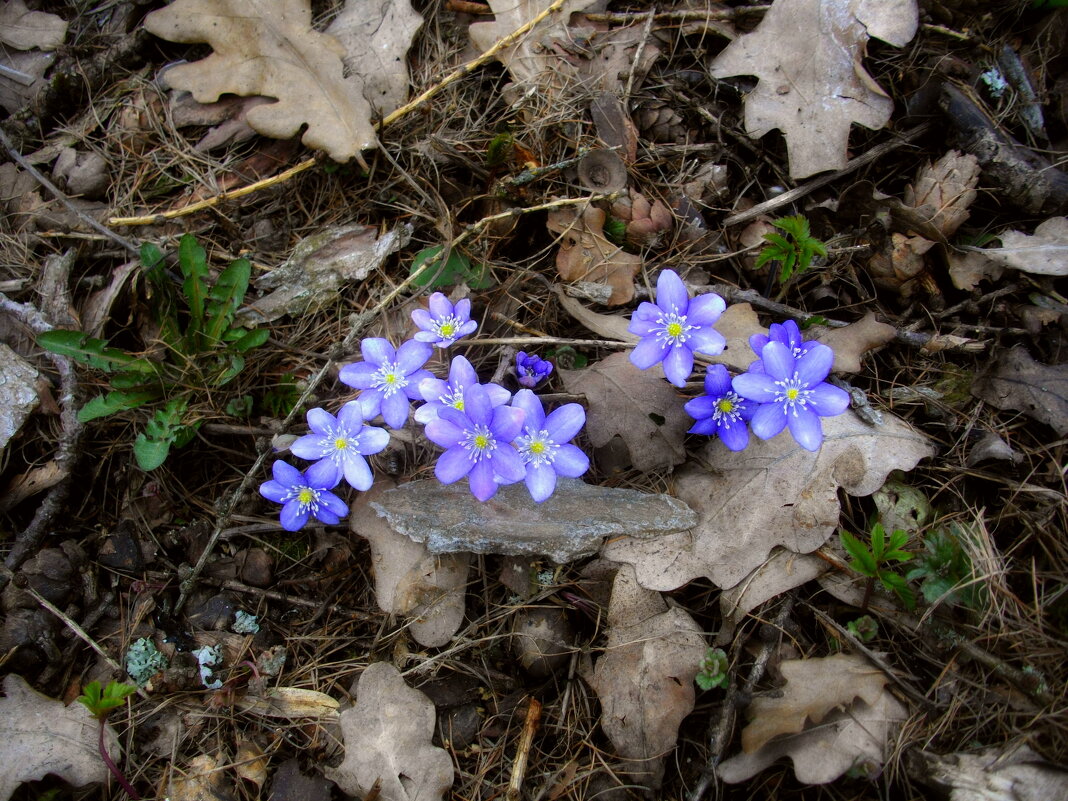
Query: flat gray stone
[570,524]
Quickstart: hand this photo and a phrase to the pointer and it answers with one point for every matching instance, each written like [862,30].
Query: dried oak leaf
[645,679]
[837,740]
[1043,253]
[854,340]
[387,737]
[996,774]
[268,47]
[807,55]
[1016,381]
[23,29]
[586,254]
[42,736]
[772,493]
[636,405]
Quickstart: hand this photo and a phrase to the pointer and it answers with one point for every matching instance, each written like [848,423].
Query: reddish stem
[119,777]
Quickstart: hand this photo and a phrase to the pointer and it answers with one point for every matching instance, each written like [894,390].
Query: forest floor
[553,182]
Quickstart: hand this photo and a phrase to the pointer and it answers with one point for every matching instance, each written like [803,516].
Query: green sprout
[100,703]
[456,269]
[946,570]
[713,670]
[203,350]
[874,562]
[794,251]
[864,628]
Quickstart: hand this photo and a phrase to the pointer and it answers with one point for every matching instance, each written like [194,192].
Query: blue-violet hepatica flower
[338,446]
[439,394]
[788,334]
[531,370]
[721,411]
[478,443]
[444,323]
[388,377]
[792,392]
[544,444]
[301,497]
[675,327]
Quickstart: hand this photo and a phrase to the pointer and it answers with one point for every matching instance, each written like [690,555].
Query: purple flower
[792,392]
[676,327]
[478,443]
[389,378]
[438,393]
[444,323]
[301,496]
[531,370]
[788,334]
[720,411]
[543,445]
[340,445]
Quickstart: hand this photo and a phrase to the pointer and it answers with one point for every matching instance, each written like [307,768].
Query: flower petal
[422,318]
[334,504]
[702,406]
[371,439]
[717,381]
[707,340]
[498,395]
[427,412]
[805,427]
[439,305]
[825,400]
[462,309]
[453,465]
[705,309]
[359,375]
[273,491]
[444,433]
[454,416]
[507,464]
[642,328]
[358,472]
[293,516]
[321,421]
[350,417]
[755,387]
[707,426]
[377,351]
[286,474]
[649,351]
[483,485]
[477,405]
[563,424]
[758,341]
[507,422]
[324,473]
[814,365]
[370,401]
[395,409]
[327,517]
[570,461]
[411,389]
[778,361]
[671,293]
[678,365]
[533,411]
[768,420]
[467,328]
[311,446]
[734,435]
[412,355]
[432,388]
[540,481]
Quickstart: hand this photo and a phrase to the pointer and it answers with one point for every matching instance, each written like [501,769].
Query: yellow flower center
[481,441]
[725,405]
[674,330]
[537,447]
[447,329]
[391,378]
[792,393]
[458,404]
[341,443]
[305,496]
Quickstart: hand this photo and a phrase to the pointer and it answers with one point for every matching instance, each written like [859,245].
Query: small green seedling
[203,350]
[100,703]
[864,628]
[945,570]
[794,251]
[713,672]
[456,269]
[874,562]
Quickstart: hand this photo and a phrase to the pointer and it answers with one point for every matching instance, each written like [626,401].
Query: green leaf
[615,230]
[247,340]
[898,539]
[499,150]
[225,298]
[194,263]
[457,269]
[237,364]
[154,444]
[240,407]
[91,351]
[113,402]
[151,255]
[897,584]
[100,702]
[863,561]
[878,541]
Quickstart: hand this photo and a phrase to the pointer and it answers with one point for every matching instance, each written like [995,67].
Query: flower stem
[119,777]
[868,589]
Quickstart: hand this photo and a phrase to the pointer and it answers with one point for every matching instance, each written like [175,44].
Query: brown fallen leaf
[42,736]
[14,95]
[1043,253]
[200,780]
[586,255]
[807,55]
[647,223]
[18,393]
[636,405]
[853,341]
[290,703]
[1017,382]
[645,679]
[253,43]
[995,774]
[228,117]
[772,493]
[250,762]
[966,270]
[856,736]
[23,29]
[387,739]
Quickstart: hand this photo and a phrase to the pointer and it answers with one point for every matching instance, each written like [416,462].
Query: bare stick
[526,739]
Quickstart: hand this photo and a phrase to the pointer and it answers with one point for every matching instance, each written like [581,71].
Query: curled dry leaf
[586,255]
[388,738]
[23,29]
[290,703]
[1016,381]
[837,740]
[635,405]
[647,223]
[772,493]
[254,42]
[43,736]
[807,55]
[1043,253]
[645,679]
[853,341]
[201,780]
[409,579]
[995,775]
[250,763]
